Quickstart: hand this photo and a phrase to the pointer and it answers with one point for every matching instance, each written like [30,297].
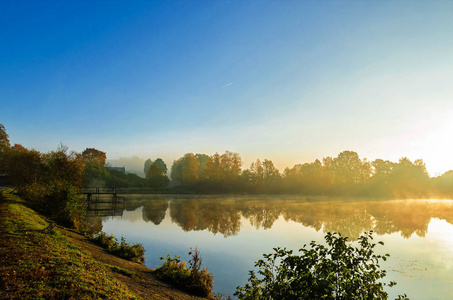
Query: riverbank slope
[41,260]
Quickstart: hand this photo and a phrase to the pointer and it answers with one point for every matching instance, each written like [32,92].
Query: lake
[232,232]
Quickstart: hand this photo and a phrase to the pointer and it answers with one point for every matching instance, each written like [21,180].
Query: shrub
[104,240]
[173,271]
[338,271]
[192,279]
[134,252]
[65,206]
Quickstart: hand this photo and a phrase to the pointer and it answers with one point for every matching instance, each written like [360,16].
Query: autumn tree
[231,164]
[94,156]
[94,166]
[25,168]
[51,181]
[65,178]
[4,139]
[202,160]
[184,170]
[4,145]
[264,176]
[189,169]
[213,169]
[222,172]
[65,167]
[156,178]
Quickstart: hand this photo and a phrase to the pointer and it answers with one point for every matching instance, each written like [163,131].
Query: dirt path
[144,285]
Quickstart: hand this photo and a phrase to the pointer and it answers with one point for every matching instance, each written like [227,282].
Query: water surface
[233,232]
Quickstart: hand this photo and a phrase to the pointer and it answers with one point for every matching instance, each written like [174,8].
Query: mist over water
[233,232]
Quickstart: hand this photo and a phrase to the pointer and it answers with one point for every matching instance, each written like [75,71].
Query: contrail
[228,84]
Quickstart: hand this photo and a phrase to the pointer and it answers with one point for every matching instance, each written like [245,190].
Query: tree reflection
[214,216]
[93,224]
[155,210]
[223,215]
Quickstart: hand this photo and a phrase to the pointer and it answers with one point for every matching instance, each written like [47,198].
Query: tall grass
[192,278]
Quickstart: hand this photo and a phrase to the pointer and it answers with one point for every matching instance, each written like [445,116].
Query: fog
[133,164]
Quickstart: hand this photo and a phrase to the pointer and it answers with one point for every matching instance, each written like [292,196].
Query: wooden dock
[104,201]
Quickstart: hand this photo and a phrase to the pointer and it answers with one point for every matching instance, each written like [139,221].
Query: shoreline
[28,248]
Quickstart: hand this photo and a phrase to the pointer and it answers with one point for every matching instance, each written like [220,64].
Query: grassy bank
[38,262]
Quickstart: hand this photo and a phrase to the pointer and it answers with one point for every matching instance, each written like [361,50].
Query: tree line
[344,175]
[50,181]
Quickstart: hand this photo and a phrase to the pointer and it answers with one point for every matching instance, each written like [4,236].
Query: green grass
[40,264]
[123,271]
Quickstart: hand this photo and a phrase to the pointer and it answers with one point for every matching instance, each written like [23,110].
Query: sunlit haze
[290,81]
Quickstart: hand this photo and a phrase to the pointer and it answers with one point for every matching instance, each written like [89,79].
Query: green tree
[349,169]
[309,178]
[409,179]
[176,171]
[443,185]
[161,164]
[335,271]
[148,163]
[382,168]
[270,172]
[158,162]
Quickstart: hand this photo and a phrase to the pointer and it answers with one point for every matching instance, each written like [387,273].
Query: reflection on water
[233,232]
[349,217]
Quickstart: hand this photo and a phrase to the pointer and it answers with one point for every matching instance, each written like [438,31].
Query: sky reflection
[232,233]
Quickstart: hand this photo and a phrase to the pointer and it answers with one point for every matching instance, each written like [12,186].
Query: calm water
[233,232]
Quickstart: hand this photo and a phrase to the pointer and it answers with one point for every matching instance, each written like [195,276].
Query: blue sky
[289,81]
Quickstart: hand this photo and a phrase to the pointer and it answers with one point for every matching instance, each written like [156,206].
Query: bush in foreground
[192,279]
[338,271]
